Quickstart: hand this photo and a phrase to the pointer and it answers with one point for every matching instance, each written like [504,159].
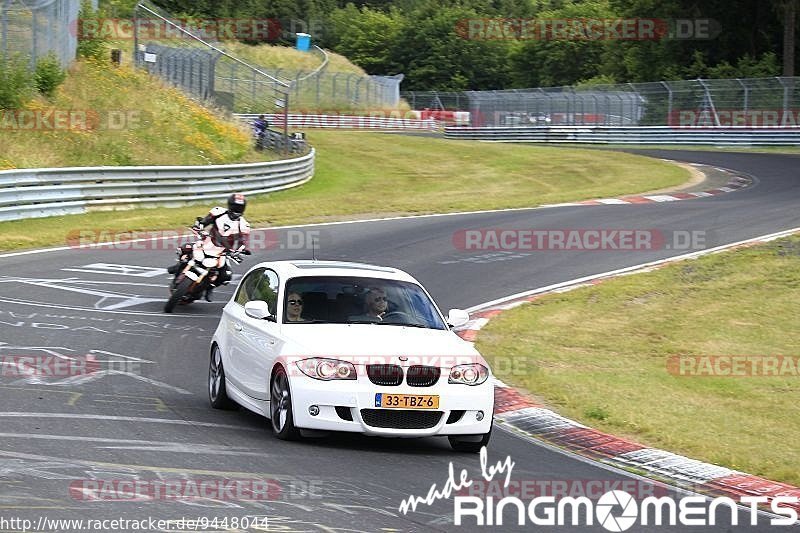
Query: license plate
[407,401]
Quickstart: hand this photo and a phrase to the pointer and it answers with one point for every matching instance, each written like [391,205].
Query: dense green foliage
[91,45]
[16,83]
[48,75]
[431,43]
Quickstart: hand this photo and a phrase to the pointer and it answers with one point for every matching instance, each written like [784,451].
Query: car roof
[306,267]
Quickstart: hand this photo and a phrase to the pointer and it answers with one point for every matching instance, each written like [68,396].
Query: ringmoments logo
[615,510]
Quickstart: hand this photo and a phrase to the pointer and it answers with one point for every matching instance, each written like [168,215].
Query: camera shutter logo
[607,503]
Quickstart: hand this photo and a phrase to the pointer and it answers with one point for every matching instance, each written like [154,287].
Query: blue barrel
[303,42]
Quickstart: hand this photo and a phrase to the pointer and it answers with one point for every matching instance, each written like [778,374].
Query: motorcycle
[200,265]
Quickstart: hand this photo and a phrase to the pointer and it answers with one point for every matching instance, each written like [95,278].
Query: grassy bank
[368,174]
[119,116]
[600,355]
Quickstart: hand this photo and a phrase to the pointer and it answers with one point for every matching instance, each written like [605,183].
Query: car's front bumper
[357,395]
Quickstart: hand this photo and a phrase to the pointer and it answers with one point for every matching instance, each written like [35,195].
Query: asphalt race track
[145,416]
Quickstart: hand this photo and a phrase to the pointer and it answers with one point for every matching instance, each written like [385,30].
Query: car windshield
[358,300]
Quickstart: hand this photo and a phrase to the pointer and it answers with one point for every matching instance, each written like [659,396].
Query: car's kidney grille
[385,375]
[400,418]
[422,376]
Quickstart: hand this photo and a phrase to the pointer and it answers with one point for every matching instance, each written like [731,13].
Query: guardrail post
[710,100]
[746,98]
[785,97]
[4,27]
[669,102]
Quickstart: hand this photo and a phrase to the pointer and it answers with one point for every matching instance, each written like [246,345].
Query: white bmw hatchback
[332,346]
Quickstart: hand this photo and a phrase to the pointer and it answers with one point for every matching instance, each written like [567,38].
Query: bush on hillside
[91,45]
[16,83]
[48,75]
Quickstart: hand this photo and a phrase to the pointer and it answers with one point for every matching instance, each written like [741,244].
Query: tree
[367,37]
[789,16]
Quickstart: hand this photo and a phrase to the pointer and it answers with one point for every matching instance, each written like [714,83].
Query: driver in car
[375,305]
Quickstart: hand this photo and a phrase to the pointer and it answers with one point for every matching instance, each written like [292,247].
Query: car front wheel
[280,407]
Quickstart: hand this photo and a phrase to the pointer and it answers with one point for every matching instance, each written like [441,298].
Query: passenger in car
[375,304]
[294,307]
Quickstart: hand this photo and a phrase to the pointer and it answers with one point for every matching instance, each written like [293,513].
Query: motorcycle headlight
[326,369]
[472,374]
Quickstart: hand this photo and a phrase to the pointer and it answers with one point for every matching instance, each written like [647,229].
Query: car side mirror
[258,309]
[457,318]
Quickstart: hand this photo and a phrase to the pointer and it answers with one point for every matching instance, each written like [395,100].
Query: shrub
[16,83]
[48,75]
[92,45]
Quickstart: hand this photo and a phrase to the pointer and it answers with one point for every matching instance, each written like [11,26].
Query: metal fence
[202,68]
[32,29]
[752,102]
[199,64]
[46,192]
[437,101]
[342,91]
[631,135]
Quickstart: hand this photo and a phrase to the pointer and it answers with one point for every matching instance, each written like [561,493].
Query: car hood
[368,340]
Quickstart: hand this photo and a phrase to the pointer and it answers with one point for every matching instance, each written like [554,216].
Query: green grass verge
[368,174]
[599,355]
[124,117]
[290,59]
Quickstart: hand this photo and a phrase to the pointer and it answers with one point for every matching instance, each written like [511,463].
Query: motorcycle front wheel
[180,291]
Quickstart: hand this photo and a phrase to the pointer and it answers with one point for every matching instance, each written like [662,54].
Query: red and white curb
[515,411]
[735,183]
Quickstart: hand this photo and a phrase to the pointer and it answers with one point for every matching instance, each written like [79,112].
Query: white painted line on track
[626,270]
[78,416]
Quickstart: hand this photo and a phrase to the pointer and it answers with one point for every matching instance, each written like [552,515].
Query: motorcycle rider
[227,228]
[260,126]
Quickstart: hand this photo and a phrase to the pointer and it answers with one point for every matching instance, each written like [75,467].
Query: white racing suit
[224,233]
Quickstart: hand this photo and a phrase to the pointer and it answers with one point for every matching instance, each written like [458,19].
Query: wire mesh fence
[342,91]
[753,102]
[32,29]
[166,48]
[436,100]
[183,54]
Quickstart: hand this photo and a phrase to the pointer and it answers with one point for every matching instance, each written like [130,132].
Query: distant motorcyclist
[260,126]
[227,228]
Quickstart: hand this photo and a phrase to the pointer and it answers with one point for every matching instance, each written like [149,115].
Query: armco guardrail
[631,135]
[60,191]
[299,120]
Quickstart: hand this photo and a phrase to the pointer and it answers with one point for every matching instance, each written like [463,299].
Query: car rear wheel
[217,392]
[280,407]
[469,443]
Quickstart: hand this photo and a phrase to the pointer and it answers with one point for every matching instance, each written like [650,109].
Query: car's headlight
[327,369]
[472,374]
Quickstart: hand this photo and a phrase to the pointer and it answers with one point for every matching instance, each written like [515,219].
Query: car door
[233,316]
[257,340]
